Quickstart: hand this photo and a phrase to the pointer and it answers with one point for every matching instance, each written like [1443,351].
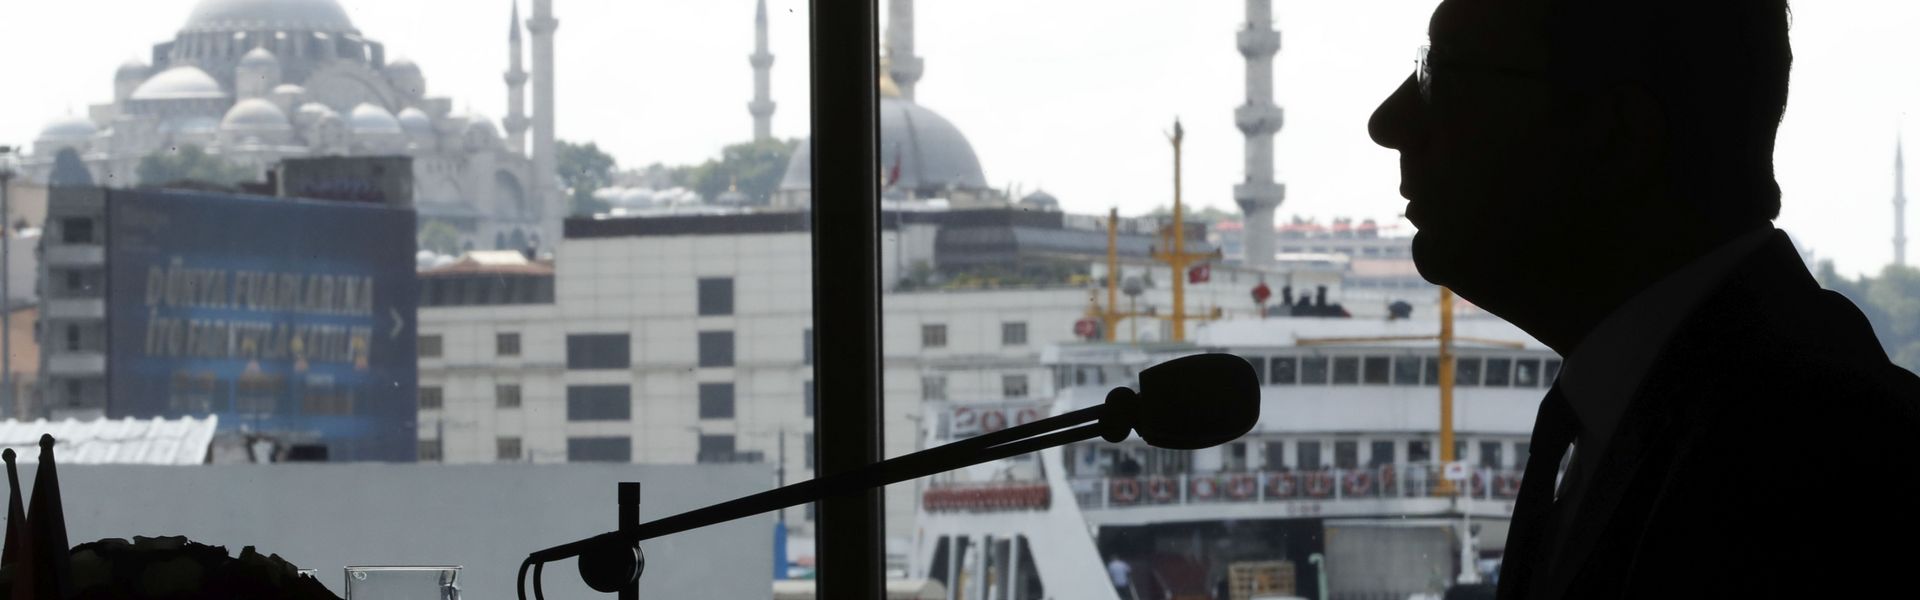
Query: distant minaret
[542,26]
[1259,119]
[906,67]
[516,88]
[762,105]
[1899,203]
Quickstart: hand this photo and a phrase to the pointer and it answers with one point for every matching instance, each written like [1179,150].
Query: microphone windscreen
[1198,401]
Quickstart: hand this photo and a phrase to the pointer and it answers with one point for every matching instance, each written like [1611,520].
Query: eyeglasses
[1423,71]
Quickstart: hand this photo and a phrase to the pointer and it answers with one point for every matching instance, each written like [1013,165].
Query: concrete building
[257,81]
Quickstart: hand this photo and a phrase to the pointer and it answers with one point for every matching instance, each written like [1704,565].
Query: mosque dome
[68,129]
[179,83]
[402,65]
[132,69]
[248,15]
[370,119]
[189,125]
[255,114]
[289,89]
[259,58]
[932,154]
[415,121]
[312,112]
[1040,200]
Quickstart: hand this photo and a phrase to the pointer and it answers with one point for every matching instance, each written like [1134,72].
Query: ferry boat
[1339,493]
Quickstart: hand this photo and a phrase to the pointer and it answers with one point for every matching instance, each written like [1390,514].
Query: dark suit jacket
[1773,451]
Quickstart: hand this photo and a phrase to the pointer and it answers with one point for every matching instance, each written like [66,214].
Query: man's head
[1551,134]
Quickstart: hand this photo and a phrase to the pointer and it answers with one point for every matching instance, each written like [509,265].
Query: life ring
[1160,490]
[1281,485]
[1242,487]
[1387,479]
[1319,485]
[1027,415]
[1203,488]
[1479,484]
[1359,483]
[1507,485]
[993,420]
[1124,491]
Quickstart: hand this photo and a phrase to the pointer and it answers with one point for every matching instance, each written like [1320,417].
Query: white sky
[1070,96]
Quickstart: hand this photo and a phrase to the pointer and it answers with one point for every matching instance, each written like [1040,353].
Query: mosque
[257,81]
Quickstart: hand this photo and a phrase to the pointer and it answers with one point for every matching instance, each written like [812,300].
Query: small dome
[370,119]
[259,58]
[1040,200]
[249,15]
[179,83]
[68,129]
[415,121]
[132,69]
[255,114]
[931,152]
[402,65]
[478,124]
[289,89]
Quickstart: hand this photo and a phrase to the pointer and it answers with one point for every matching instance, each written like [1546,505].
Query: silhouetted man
[1599,173]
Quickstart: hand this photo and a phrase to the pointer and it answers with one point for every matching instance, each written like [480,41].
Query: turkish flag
[1200,273]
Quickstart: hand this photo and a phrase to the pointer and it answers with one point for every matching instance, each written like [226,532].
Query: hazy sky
[1066,95]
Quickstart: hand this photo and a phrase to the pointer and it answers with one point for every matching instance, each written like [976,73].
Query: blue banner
[294,319]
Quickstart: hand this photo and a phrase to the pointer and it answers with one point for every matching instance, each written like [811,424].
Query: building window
[716,400]
[1374,370]
[1490,455]
[1309,454]
[933,336]
[1406,370]
[74,281]
[807,396]
[1526,372]
[716,349]
[1346,454]
[430,397]
[598,351]
[76,230]
[599,403]
[1346,370]
[933,387]
[1498,372]
[600,449]
[1013,334]
[506,344]
[1013,386]
[506,449]
[506,395]
[429,450]
[429,346]
[716,449]
[1382,454]
[716,296]
[1313,370]
[808,452]
[1285,371]
[806,347]
[1466,371]
[73,338]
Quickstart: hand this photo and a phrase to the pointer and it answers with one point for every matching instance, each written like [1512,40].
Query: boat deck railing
[1367,483]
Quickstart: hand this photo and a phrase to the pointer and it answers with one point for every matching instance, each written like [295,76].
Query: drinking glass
[403,583]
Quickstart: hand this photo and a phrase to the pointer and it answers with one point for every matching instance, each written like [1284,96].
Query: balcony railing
[1382,482]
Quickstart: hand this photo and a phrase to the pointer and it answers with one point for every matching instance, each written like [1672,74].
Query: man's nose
[1395,122]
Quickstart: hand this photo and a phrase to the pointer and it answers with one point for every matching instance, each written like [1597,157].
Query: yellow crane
[1446,338]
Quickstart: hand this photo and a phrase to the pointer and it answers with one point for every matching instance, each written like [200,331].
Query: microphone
[1187,403]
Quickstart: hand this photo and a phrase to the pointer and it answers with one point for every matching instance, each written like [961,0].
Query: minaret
[542,26]
[1259,119]
[516,121]
[1899,203]
[762,105]
[906,67]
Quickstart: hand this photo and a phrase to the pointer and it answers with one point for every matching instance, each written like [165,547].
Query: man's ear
[1628,133]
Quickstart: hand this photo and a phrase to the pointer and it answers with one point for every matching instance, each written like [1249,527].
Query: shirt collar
[1606,368]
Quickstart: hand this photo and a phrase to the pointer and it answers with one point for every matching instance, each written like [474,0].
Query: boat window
[1382,453]
[1285,370]
[1430,373]
[1490,455]
[1498,372]
[1419,451]
[1406,370]
[1313,370]
[1346,370]
[1309,454]
[1276,455]
[1466,371]
[1375,371]
[1346,454]
[1551,372]
[1526,372]
[1259,369]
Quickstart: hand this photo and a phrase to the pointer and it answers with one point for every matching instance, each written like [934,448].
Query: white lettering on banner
[976,419]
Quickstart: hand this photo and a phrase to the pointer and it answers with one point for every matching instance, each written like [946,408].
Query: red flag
[1200,273]
[893,174]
